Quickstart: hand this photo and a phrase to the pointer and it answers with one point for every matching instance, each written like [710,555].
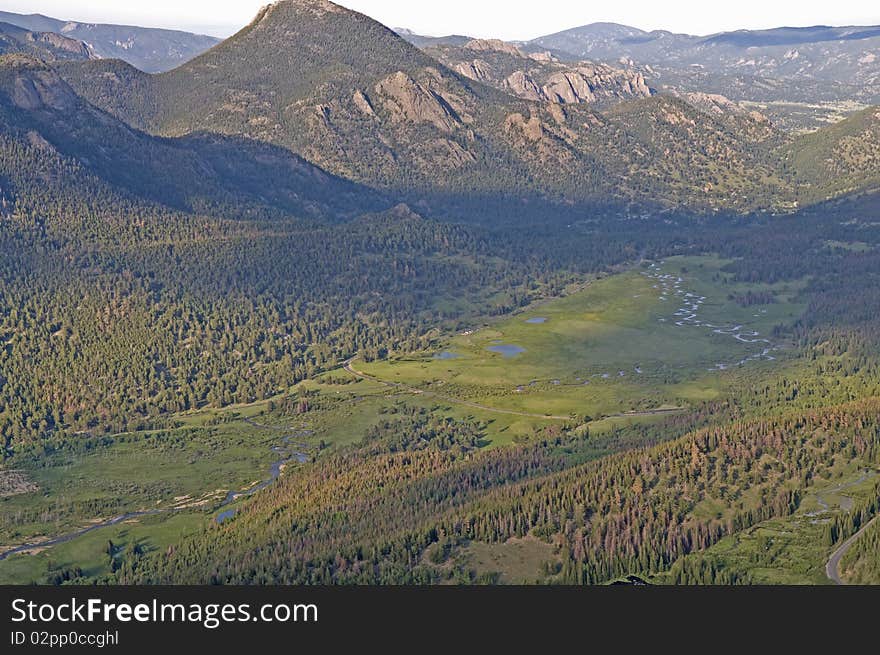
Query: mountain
[360,101]
[840,159]
[366,105]
[421,41]
[43,45]
[235,178]
[540,76]
[596,40]
[802,77]
[149,49]
[811,53]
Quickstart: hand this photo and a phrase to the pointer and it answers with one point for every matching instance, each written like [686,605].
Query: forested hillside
[860,564]
[843,158]
[634,512]
[228,177]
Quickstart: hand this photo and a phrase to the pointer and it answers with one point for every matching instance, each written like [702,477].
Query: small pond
[506,349]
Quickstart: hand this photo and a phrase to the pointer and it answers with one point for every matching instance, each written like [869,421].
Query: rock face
[524,86]
[33,86]
[540,77]
[477,70]
[531,128]
[494,45]
[78,49]
[362,102]
[408,100]
[593,83]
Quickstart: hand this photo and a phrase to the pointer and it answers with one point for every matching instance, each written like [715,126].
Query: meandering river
[287,451]
[670,288]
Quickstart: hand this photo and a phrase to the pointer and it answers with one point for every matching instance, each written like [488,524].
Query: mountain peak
[297,39]
[316,7]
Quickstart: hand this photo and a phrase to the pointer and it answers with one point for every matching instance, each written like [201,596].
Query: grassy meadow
[612,348]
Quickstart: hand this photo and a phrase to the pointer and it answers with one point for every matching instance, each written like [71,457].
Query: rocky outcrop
[494,45]
[408,100]
[541,77]
[362,102]
[713,103]
[76,49]
[719,105]
[46,46]
[32,86]
[568,87]
[593,83]
[524,86]
[543,57]
[477,70]
[531,128]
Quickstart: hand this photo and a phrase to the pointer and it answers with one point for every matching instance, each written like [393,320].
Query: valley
[330,303]
[569,338]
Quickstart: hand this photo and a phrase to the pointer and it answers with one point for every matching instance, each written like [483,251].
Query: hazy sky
[501,18]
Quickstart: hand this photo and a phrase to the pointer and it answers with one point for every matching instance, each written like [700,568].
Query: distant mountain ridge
[802,77]
[820,52]
[421,41]
[150,49]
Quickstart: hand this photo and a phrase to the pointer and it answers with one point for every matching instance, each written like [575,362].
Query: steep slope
[341,90]
[636,511]
[540,76]
[352,97]
[149,49]
[839,159]
[356,99]
[235,177]
[693,145]
[43,45]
